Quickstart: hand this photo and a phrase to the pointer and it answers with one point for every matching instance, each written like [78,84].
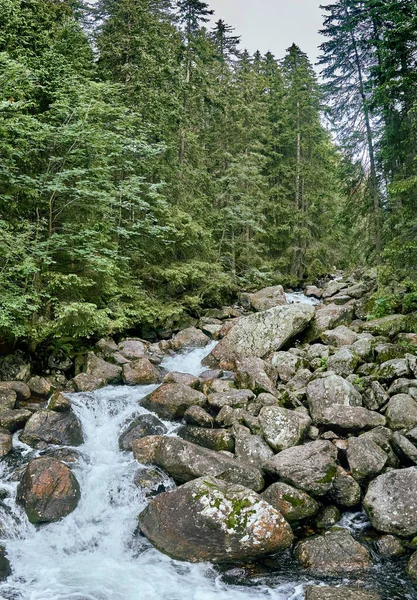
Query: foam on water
[94,554]
[301,298]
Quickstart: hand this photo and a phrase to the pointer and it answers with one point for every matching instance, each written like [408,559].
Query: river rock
[152,481]
[342,593]
[343,363]
[132,349]
[345,491]
[5,442]
[329,391]
[141,427]
[211,520]
[293,504]
[388,326]
[48,490]
[13,420]
[327,517]
[102,370]
[251,375]
[250,449]
[39,386]
[189,338]
[171,400]
[311,467]
[87,383]
[185,461]
[375,396]
[401,412]
[214,439]
[262,333]
[21,389]
[350,418]
[5,569]
[284,365]
[405,449]
[328,317]
[197,416]
[14,367]
[341,336]
[393,369]
[182,378]
[412,567]
[8,399]
[313,291]
[59,428]
[59,403]
[389,546]
[283,428]
[334,553]
[366,459]
[233,398]
[267,298]
[140,372]
[390,502]
[107,346]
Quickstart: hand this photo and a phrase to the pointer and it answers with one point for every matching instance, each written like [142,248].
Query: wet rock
[366,459]
[14,367]
[59,403]
[293,504]
[213,330]
[328,517]
[21,389]
[132,349]
[185,461]
[393,369]
[343,363]
[217,386]
[214,439]
[342,593]
[390,502]
[5,569]
[401,412]
[267,298]
[48,490]
[140,372]
[350,418]
[141,427]
[251,375]
[333,287]
[405,449]
[66,455]
[341,336]
[375,396]
[311,467]
[284,365]
[262,333]
[152,482]
[330,391]
[283,428]
[389,546]
[251,449]
[5,442]
[229,416]
[189,338]
[59,428]
[313,291]
[182,378]
[334,553]
[87,383]
[171,400]
[233,398]
[13,420]
[412,567]
[102,370]
[39,386]
[210,520]
[7,399]
[195,415]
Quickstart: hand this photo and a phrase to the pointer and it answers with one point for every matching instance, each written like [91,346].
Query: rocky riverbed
[287,459]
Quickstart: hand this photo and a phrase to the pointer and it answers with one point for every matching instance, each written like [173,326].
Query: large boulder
[51,427]
[102,370]
[19,387]
[262,333]
[401,412]
[140,372]
[328,317]
[211,520]
[189,338]
[39,386]
[6,441]
[48,490]
[283,428]
[14,419]
[293,504]
[214,439]
[394,369]
[267,298]
[141,427]
[390,502]
[344,362]
[251,375]
[334,553]
[350,418]
[132,349]
[340,593]
[345,491]
[284,365]
[171,400]
[341,336]
[249,448]
[330,391]
[387,326]
[366,459]
[311,467]
[186,461]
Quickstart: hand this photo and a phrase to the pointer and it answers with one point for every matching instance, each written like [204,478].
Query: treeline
[370,68]
[149,167]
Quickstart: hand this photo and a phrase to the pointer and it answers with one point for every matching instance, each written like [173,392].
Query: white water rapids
[94,554]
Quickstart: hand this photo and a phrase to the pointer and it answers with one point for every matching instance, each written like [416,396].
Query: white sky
[274,24]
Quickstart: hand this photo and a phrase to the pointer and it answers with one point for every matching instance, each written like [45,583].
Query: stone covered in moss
[293,504]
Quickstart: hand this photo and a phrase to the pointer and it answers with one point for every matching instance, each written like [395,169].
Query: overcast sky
[273,24]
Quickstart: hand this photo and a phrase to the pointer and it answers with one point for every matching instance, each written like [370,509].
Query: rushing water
[95,554]
[301,298]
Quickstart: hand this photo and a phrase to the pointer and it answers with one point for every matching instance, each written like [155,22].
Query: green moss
[293,500]
[330,475]
[238,517]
